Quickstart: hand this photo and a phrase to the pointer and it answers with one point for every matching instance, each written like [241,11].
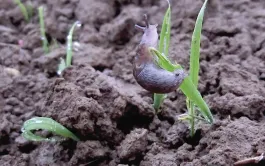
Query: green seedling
[45,43]
[69,49]
[163,47]
[30,9]
[47,47]
[48,124]
[26,10]
[195,66]
[190,83]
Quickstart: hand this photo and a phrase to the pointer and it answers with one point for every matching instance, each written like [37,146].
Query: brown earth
[98,99]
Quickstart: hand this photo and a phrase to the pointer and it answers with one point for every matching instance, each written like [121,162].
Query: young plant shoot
[26,10]
[69,49]
[195,66]
[155,73]
[45,43]
[163,47]
[48,124]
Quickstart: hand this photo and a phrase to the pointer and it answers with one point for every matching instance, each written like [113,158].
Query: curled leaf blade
[69,47]
[48,124]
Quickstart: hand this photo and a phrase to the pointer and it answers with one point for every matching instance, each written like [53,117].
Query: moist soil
[98,99]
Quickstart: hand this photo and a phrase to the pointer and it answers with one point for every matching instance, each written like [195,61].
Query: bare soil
[98,99]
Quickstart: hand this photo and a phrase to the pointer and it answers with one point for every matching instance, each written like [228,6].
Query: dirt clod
[134,144]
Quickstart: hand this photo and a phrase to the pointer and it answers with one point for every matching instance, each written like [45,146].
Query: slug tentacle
[140,27]
[146,72]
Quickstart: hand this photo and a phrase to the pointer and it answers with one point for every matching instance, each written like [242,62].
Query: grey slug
[145,70]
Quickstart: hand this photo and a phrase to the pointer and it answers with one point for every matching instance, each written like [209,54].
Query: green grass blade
[164,41]
[23,9]
[45,124]
[190,91]
[69,49]
[195,47]
[42,30]
[30,9]
[194,68]
[163,47]
[163,61]
[158,99]
[187,87]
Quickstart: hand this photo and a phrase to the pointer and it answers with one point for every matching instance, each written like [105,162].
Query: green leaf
[23,9]
[45,43]
[165,32]
[45,124]
[163,61]
[190,91]
[69,47]
[194,71]
[195,47]
[30,9]
[163,47]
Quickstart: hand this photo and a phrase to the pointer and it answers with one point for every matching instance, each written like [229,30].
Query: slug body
[146,72]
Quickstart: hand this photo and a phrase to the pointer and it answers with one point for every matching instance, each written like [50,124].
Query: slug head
[180,75]
[150,36]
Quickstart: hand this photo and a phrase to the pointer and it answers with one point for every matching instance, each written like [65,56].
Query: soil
[98,99]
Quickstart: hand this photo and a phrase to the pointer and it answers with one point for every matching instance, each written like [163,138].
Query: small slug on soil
[146,72]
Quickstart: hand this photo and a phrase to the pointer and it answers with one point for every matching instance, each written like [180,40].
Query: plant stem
[163,47]
[23,9]
[69,49]
[42,30]
[158,99]
[30,9]
[191,92]
[192,119]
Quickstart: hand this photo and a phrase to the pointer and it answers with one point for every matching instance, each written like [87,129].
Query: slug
[145,70]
